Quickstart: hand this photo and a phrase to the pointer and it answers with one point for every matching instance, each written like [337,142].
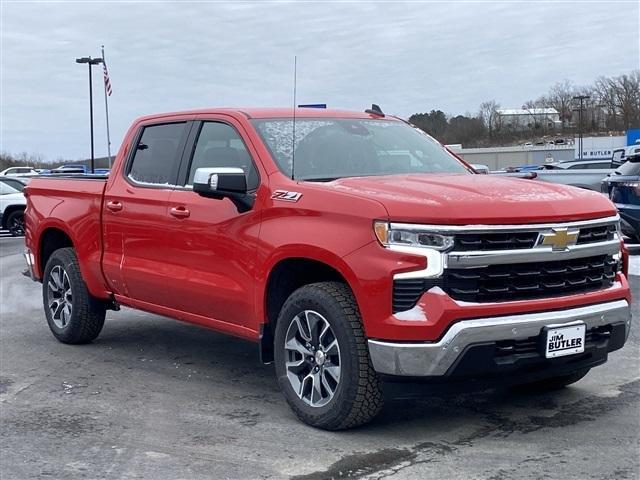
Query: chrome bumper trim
[530,255]
[435,359]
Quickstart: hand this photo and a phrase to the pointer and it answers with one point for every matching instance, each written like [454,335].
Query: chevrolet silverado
[351,247]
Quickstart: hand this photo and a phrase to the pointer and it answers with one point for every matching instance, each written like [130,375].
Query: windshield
[330,148]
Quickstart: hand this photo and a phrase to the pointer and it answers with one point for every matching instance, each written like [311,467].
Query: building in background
[529,118]
[600,148]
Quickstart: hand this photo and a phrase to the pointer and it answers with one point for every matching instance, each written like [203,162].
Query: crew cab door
[214,247]
[136,214]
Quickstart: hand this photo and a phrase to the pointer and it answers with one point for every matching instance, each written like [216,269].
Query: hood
[463,199]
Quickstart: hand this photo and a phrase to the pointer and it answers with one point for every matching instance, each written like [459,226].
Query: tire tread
[367,391]
[88,314]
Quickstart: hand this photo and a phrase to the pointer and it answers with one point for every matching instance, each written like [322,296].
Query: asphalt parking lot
[155,398]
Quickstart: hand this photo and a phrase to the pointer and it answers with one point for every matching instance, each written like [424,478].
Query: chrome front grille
[600,233]
[521,281]
[495,241]
[499,264]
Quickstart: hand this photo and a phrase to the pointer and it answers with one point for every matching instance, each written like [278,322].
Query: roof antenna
[293,138]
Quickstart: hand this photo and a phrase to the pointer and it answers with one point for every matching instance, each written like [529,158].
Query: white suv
[19,171]
[12,205]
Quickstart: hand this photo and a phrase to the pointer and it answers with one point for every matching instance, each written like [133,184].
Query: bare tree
[489,115]
[607,98]
[620,96]
[560,97]
[538,117]
[627,92]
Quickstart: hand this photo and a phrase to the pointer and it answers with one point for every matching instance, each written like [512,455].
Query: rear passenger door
[214,246]
[136,215]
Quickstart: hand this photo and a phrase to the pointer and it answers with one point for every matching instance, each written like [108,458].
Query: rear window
[629,168]
[157,154]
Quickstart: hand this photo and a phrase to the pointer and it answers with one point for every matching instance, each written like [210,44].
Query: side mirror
[222,183]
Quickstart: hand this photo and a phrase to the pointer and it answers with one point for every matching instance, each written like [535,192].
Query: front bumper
[433,359]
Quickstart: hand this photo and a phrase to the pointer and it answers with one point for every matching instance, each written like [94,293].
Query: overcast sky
[407,57]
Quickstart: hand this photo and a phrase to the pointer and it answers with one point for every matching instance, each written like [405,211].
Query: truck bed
[73,204]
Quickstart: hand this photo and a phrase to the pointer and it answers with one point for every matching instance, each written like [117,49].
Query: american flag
[107,82]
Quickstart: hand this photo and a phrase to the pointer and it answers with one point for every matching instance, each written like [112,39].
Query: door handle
[114,206]
[180,212]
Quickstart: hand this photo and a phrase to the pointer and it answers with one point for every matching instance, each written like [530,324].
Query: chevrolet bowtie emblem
[560,239]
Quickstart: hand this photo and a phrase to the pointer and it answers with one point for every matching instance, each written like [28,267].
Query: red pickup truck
[351,247]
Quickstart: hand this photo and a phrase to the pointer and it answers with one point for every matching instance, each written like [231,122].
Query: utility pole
[90,62]
[581,98]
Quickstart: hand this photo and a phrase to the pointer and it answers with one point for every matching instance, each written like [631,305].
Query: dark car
[623,188]
[16,182]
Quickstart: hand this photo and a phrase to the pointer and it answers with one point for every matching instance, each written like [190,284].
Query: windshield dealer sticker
[286,196]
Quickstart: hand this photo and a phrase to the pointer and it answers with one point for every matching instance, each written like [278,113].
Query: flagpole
[106,109]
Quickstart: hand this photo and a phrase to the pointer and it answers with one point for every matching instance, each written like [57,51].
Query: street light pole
[90,62]
[581,98]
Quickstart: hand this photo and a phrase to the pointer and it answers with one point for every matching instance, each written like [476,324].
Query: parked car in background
[79,168]
[620,155]
[15,182]
[605,164]
[587,174]
[480,168]
[19,171]
[623,188]
[12,206]
[70,169]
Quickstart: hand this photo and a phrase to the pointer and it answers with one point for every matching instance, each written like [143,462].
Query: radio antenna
[293,139]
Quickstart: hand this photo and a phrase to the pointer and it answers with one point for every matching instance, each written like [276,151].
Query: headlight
[411,237]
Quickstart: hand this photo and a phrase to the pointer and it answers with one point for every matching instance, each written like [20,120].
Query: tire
[15,223]
[328,315]
[553,383]
[73,315]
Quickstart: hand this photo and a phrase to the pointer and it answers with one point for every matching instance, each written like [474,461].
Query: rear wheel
[73,315]
[15,223]
[322,359]
[553,383]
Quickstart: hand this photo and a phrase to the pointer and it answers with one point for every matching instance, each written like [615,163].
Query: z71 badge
[286,196]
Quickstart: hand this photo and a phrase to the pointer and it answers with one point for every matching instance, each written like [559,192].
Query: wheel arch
[51,239]
[286,275]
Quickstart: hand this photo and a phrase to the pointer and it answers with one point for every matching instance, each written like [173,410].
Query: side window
[220,145]
[597,166]
[156,157]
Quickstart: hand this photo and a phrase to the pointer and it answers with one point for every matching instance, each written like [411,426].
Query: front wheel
[322,360]
[73,315]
